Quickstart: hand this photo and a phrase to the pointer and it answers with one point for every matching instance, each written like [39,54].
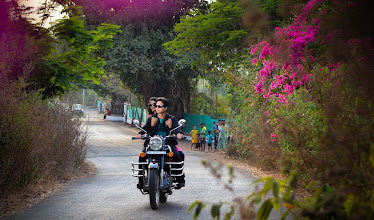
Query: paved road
[112,193]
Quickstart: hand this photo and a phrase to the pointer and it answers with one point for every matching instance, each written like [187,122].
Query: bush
[39,140]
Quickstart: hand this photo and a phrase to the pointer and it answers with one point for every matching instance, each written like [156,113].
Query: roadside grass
[40,141]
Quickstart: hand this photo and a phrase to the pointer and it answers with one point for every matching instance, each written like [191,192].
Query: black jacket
[152,130]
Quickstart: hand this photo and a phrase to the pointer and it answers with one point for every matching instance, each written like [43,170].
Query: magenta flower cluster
[291,45]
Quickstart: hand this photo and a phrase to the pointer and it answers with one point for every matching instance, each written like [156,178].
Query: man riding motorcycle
[160,124]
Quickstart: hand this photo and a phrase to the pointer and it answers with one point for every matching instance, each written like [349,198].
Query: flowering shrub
[281,74]
[310,108]
[302,120]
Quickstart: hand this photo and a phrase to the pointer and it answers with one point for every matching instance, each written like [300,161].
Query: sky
[55,15]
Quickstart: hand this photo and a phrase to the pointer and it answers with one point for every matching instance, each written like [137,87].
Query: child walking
[210,140]
[194,133]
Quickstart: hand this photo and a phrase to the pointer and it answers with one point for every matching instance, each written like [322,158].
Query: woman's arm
[147,126]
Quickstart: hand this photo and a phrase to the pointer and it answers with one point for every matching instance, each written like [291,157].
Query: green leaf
[263,179]
[96,80]
[276,189]
[276,203]
[371,155]
[264,211]
[193,205]
[348,204]
[199,206]
[285,214]
[229,214]
[215,211]
[267,186]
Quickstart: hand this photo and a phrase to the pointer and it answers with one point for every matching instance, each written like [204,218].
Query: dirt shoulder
[18,201]
[222,157]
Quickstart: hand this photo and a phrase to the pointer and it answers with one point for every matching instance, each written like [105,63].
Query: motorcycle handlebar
[174,136]
[143,137]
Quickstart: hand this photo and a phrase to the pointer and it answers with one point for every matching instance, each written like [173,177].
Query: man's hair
[163,100]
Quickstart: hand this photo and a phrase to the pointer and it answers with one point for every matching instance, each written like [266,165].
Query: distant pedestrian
[222,136]
[215,134]
[108,112]
[194,134]
[203,136]
[210,140]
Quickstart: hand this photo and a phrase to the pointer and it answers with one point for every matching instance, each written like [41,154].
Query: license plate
[156,152]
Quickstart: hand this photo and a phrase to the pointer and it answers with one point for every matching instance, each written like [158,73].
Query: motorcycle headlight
[155,143]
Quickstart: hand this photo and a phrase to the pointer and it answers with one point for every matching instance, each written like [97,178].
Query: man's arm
[175,124]
[178,131]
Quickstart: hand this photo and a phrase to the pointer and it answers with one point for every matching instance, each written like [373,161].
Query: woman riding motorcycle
[160,124]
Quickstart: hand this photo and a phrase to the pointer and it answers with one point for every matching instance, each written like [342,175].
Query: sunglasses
[160,106]
[153,104]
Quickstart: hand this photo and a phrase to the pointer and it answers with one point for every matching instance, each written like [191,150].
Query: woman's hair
[149,108]
[152,99]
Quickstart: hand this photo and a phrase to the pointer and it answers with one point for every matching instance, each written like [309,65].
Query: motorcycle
[159,172]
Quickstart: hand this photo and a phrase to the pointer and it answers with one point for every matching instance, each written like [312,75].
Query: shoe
[140,185]
[181,183]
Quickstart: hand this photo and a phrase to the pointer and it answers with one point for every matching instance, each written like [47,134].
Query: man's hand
[169,123]
[179,136]
[138,136]
[153,121]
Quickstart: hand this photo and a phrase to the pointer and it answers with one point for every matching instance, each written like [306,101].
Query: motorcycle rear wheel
[154,192]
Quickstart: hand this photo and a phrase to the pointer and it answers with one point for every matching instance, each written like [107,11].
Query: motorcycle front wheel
[154,192]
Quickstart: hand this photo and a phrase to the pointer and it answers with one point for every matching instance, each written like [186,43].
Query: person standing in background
[108,112]
[203,136]
[194,134]
[210,140]
[215,134]
[221,136]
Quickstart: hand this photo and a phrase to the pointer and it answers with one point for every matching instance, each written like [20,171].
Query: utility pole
[83,98]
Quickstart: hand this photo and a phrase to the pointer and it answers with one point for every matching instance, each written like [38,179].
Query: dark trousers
[215,141]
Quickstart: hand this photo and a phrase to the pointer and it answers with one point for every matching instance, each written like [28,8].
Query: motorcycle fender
[153,166]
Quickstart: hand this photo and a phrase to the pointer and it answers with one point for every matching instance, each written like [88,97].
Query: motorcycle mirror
[136,123]
[182,122]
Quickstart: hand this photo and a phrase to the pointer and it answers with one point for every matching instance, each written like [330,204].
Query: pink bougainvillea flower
[259,87]
[253,51]
[290,51]
[265,52]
